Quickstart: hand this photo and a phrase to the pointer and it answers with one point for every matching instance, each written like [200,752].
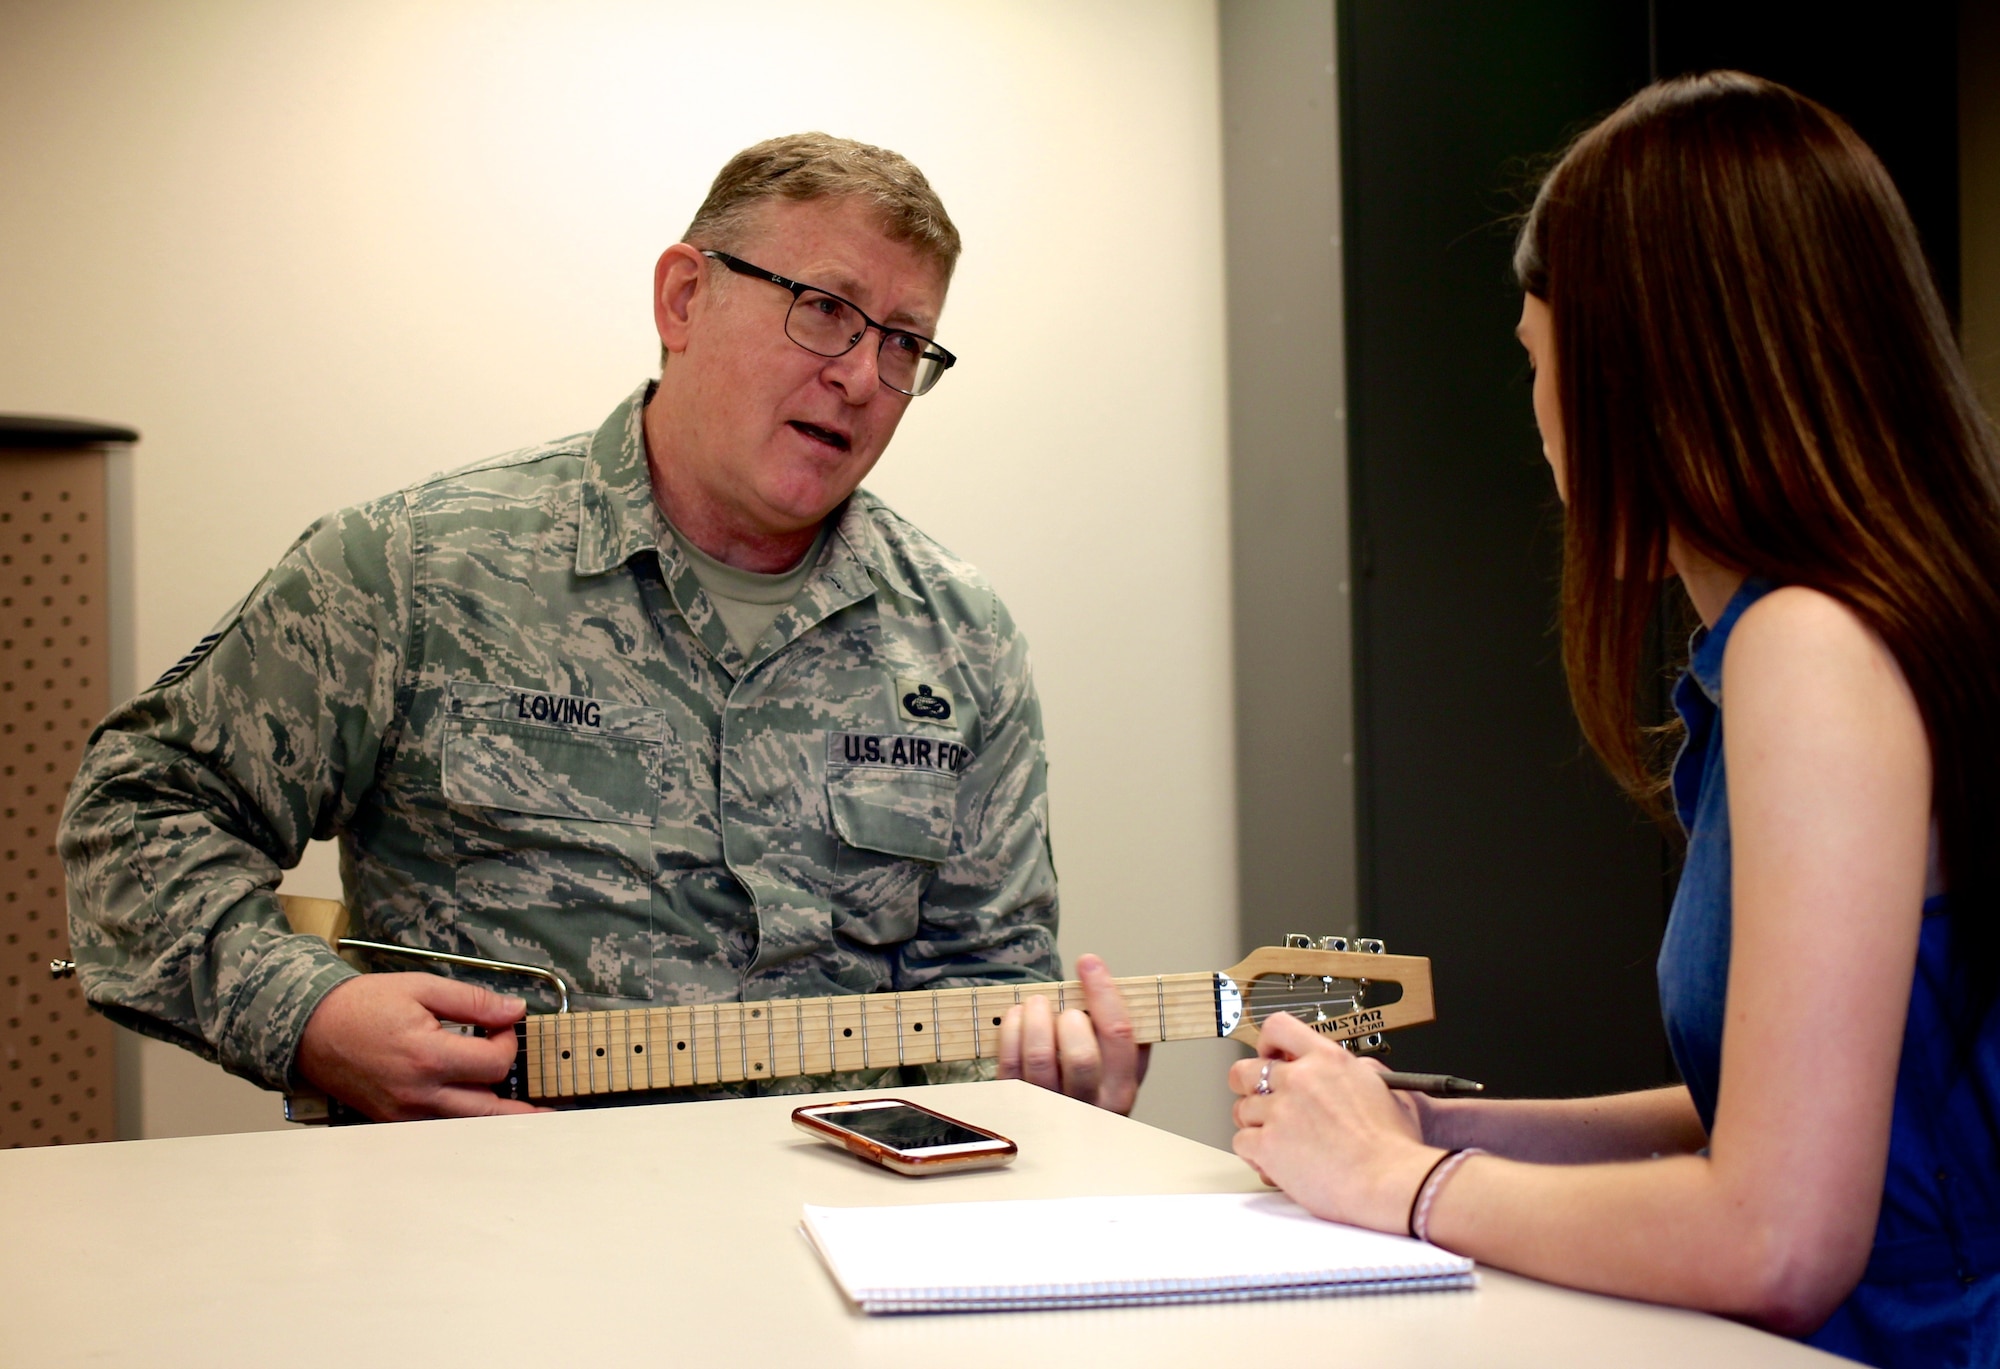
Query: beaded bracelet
[1427,1191]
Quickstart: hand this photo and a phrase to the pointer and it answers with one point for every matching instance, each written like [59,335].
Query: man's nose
[856,372]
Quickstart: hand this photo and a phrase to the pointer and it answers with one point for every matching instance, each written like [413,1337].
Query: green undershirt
[747,602]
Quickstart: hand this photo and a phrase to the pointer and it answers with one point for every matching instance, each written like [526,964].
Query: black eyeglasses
[827,325]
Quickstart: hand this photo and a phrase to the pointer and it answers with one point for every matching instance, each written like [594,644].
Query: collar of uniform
[697,610]
[861,544]
[843,576]
[616,518]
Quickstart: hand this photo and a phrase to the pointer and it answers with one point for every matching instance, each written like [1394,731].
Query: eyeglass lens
[830,326]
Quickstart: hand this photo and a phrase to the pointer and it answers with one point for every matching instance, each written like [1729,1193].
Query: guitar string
[1271,999]
[1259,995]
[1189,992]
[1262,999]
[1259,992]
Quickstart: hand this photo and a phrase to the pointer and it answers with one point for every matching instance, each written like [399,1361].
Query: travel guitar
[1350,991]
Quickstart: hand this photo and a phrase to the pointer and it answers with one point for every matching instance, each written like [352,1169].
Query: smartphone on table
[902,1136]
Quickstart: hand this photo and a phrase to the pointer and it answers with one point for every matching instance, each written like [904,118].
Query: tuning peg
[62,969]
[1369,945]
[1372,1044]
[1333,943]
[1296,941]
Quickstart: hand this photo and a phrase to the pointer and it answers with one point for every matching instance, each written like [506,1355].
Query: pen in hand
[1436,1085]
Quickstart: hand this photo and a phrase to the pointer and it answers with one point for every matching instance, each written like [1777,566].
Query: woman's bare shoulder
[1801,664]
[1795,632]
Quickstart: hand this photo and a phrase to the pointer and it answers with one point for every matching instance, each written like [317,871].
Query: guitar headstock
[1347,988]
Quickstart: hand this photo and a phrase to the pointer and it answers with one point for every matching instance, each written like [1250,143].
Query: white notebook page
[1091,1251]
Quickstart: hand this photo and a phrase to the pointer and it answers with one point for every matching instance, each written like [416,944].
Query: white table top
[669,1235]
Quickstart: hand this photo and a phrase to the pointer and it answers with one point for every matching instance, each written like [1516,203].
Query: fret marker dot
[565,1055]
[680,1045]
[996,1021]
[600,1050]
[920,1026]
[638,1050]
[847,1031]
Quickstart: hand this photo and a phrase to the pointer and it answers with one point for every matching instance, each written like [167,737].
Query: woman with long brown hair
[1744,379]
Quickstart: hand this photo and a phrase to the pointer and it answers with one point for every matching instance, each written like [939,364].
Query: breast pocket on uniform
[555,797]
[893,802]
[553,755]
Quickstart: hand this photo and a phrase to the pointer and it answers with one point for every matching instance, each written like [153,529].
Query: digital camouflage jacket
[504,693]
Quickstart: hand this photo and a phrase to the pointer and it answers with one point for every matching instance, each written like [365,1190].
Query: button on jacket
[505,694]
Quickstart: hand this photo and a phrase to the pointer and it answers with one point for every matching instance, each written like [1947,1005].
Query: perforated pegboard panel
[57,1082]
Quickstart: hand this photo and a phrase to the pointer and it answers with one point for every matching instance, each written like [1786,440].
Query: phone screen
[904,1127]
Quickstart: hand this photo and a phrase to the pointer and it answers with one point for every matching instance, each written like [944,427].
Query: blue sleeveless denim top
[1931,1294]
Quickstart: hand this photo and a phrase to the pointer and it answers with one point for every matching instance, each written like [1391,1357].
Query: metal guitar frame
[315,1108]
[549,977]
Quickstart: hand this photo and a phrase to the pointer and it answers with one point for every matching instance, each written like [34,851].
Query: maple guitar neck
[621,1050]
[1348,995]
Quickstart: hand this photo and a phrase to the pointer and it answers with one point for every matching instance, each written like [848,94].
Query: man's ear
[677,279]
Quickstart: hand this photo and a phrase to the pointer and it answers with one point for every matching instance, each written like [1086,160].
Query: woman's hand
[1329,1132]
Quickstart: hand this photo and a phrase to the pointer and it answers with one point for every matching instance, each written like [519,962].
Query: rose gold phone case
[916,1166]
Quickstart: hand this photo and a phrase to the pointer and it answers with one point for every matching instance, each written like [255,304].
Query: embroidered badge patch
[923,703]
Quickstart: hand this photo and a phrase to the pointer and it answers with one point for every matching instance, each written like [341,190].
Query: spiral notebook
[1108,1252]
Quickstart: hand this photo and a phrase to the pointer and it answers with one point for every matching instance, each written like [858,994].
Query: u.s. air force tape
[895,751]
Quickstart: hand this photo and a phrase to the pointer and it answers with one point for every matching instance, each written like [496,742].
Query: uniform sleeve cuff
[263,1044]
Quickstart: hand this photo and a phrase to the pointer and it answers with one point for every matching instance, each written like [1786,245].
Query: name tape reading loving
[564,709]
[895,752]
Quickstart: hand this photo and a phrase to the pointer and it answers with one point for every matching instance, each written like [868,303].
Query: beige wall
[314,252]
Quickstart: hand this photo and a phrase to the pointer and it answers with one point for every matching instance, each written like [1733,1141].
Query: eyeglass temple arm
[744,268]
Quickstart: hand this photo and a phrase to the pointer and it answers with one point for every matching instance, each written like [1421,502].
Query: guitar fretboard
[628,1050]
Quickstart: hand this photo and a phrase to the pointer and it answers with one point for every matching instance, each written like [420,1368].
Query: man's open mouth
[838,441]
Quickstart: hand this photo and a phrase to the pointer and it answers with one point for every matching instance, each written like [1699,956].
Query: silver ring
[1264,1078]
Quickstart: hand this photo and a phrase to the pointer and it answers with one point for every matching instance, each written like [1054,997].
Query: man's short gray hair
[813,166]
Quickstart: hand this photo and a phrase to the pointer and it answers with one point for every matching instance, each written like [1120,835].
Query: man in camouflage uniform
[671,708]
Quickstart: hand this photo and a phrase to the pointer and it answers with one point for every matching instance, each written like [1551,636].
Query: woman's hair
[1749,351]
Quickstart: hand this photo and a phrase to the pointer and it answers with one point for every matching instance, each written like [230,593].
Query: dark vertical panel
[1488,839]
[1890,72]
[1288,472]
